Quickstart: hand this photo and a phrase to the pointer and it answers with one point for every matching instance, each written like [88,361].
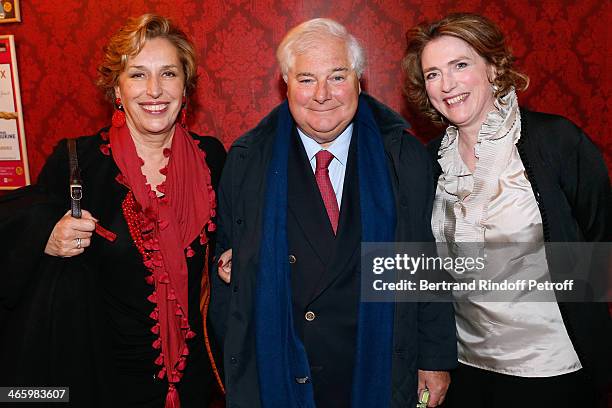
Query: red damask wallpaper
[562,45]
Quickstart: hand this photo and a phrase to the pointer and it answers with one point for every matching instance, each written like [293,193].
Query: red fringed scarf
[163,228]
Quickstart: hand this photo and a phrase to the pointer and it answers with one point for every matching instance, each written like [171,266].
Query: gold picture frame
[9,11]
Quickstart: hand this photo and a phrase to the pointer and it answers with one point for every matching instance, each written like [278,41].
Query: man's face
[323,90]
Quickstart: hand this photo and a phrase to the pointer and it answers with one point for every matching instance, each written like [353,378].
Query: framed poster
[9,11]
[14,171]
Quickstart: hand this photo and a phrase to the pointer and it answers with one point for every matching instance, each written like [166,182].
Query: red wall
[562,45]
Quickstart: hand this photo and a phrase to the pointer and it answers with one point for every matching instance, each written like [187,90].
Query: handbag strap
[76,187]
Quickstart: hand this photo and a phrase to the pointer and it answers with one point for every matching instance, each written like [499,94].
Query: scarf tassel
[172,397]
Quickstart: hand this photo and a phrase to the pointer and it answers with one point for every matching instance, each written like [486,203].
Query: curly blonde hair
[481,34]
[130,40]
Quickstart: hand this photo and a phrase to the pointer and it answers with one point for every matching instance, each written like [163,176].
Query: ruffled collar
[495,126]
[456,177]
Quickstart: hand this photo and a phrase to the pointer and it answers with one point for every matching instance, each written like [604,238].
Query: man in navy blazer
[329,168]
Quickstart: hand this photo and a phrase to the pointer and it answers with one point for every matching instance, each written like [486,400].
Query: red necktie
[325,187]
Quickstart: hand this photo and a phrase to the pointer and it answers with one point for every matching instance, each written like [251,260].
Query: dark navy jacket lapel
[349,229]
[307,208]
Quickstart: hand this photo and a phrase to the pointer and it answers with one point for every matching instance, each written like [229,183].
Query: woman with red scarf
[111,304]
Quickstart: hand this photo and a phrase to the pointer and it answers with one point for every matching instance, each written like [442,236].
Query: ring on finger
[78,242]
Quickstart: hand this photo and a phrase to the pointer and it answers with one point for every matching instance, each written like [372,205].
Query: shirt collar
[339,147]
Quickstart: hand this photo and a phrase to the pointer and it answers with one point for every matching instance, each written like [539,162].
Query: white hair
[310,33]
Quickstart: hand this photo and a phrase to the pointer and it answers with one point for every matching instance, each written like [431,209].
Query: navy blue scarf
[281,357]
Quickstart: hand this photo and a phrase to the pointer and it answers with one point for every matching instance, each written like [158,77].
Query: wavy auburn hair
[481,34]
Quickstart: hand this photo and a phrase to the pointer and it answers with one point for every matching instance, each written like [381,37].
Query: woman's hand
[71,236]
[225,266]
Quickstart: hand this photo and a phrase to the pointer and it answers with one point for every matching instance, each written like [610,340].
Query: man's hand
[436,382]
[71,236]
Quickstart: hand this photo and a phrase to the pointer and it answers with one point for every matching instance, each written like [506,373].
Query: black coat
[424,334]
[570,183]
[53,315]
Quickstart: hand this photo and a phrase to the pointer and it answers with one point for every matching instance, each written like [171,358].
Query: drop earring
[118,115]
[183,119]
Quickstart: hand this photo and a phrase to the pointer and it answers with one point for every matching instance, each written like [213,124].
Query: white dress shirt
[337,168]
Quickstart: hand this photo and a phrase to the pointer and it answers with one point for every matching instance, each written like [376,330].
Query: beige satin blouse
[496,204]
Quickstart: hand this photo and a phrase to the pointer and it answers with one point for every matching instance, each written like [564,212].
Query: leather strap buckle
[76,191]
[76,188]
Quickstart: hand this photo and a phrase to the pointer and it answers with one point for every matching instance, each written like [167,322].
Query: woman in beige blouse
[507,175]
